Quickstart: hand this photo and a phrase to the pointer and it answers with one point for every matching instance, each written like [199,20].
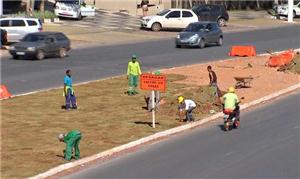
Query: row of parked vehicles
[181,18]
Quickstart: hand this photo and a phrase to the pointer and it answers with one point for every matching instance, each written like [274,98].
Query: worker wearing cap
[188,106]
[133,72]
[69,91]
[72,140]
[230,101]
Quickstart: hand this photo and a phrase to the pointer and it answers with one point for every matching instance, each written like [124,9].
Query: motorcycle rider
[231,105]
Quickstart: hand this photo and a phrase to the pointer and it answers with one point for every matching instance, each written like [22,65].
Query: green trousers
[71,144]
[132,82]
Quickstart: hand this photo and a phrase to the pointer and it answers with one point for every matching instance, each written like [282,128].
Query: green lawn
[107,118]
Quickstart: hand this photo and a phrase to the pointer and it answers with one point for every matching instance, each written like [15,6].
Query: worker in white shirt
[188,106]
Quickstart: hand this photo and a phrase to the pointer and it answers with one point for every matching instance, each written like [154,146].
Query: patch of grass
[107,118]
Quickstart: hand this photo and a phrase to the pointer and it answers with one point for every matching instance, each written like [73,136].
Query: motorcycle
[230,122]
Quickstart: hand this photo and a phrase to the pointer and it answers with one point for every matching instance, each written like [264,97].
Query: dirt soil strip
[158,135]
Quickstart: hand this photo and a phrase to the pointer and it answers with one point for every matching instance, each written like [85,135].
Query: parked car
[282,10]
[168,19]
[208,12]
[75,9]
[200,34]
[3,37]
[40,45]
[17,27]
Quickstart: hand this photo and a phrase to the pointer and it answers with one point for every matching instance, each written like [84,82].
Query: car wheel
[178,46]
[221,22]
[15,57]
[201,43]
[79,17]
[40,55]
[62,53]
[156,27]
[220,41]
[294,14]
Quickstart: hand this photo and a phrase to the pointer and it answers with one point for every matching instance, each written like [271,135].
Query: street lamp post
[1,7]
[290,10]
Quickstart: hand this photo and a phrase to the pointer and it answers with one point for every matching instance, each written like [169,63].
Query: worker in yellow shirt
[133,72]
[231,104]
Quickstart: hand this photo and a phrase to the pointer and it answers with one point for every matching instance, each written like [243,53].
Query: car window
[174,14]
[60,37]
[4,23]
[31,23]
[195,27]
[215,8]
[17,23]
[34,38]
[163,12]
[187,14]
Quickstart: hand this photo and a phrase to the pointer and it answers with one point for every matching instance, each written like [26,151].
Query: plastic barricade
[281,59]
[4,92]
[242,51]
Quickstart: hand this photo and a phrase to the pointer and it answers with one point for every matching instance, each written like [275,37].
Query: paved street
[23,76]
[265,146]
[106,20]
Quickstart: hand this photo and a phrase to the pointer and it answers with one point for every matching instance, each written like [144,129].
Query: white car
[18,27]
[75,9]
[282,10]
[169,18]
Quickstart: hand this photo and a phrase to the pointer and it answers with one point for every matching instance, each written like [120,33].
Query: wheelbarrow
[243,82]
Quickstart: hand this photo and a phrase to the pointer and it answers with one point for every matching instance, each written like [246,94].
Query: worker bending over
[72,140]
[187,106]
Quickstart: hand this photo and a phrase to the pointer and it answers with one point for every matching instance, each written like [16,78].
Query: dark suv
[217,13]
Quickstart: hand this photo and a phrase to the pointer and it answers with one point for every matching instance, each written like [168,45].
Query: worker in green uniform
[72,140]
[133,72]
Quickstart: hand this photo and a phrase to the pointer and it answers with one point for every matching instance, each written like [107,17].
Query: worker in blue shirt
[69,91]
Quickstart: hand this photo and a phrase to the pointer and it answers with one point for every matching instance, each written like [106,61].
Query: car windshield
[34,38]
[195,28]
[163,12]
[69,1]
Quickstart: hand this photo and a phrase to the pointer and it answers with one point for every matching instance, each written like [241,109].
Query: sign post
[153,83]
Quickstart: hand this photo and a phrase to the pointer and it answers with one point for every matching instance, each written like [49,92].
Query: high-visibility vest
[68,87]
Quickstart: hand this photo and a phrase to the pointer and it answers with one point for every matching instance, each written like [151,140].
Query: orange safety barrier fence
[281,59]
[242,51]
[4,92]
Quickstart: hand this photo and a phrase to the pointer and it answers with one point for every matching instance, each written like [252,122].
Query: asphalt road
[23,76]
[266,146]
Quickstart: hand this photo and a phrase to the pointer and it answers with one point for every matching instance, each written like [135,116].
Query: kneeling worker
[72,140]
[188,106]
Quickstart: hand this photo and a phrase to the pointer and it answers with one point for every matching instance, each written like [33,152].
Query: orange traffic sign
[153,82]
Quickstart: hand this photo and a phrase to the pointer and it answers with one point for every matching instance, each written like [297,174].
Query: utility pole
[290,10]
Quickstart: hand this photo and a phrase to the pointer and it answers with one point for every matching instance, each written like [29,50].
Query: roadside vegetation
[107,117]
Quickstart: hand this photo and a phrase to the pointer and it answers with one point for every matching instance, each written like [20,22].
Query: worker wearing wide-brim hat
[133,72]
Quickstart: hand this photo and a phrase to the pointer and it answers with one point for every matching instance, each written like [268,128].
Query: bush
[37,14]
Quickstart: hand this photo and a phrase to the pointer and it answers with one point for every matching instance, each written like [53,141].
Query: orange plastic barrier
[4,92]
[242,51]
[281,59]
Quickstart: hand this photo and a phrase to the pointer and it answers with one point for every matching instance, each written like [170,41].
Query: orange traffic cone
[4,92]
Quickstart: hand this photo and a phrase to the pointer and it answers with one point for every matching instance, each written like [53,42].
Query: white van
[18,27]
[75,9]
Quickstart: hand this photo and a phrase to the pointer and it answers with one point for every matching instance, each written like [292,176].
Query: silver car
[200,34]
[18,27]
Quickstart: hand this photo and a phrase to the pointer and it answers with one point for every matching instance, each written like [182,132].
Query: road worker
[186,106]
[69,91]
[231,104]
[133,72]
[72,140]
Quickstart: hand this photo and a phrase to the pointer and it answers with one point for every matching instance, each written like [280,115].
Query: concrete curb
[156,136]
